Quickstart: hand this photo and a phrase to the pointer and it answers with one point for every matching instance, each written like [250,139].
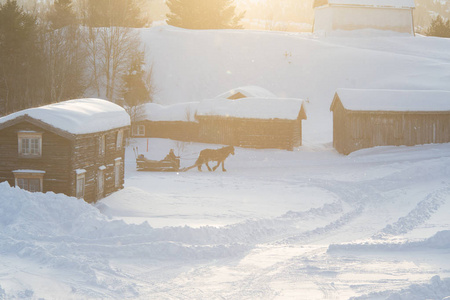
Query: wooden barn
[369,118]
[74,147]
[252,122]
[176,122]
[386,15]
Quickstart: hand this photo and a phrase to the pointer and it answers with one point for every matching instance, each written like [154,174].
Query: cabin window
[139,130]
[29,180]
[81,182]
[30,144]
[101,145]
[119,140]
[117,172]
[100,182]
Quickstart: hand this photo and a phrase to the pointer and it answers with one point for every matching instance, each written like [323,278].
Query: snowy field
[302,224]
[277,225]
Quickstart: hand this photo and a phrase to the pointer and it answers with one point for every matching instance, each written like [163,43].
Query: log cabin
[252,122]
[369,118]
[74,147]
[176,122]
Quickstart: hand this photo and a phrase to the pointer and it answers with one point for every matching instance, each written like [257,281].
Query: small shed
[176,122]
[252,122]
[74,147]
[392,15]
[369,118]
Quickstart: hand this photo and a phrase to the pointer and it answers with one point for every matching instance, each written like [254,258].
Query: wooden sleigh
[144,164]
[171,164]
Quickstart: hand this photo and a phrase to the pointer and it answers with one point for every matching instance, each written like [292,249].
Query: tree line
[64,53]
[65,49]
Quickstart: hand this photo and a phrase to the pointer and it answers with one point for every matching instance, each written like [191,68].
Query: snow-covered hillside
[190,65]
[302,224]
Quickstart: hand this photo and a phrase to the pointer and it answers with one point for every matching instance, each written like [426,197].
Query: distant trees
[111,42]
[65,53]
[439,27]
[21,83]
[204,14]
[137,88]
[47,56]
[112,13]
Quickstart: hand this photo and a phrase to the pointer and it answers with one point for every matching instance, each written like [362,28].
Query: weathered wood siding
[218,130]
[61,157]
[281,134]
[251,133]
[55,159]
[175,130]
[86,155]
[354,130]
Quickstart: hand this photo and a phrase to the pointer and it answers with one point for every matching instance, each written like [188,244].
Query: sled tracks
[419,215]
[353,196]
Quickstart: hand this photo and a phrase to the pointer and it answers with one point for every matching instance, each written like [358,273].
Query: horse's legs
[218,163]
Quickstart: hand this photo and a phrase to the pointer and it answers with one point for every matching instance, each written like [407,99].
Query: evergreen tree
[203,14]
[114,13]
[61,14]
[439,27]
[135,91]
[20,59]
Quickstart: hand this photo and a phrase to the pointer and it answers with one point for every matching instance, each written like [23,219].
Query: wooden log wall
[251,133]
[176,130]
[357,130]
[55,158]
[86,155]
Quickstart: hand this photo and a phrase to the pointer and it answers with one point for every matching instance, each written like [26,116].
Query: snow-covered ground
[302,224]
[278,224]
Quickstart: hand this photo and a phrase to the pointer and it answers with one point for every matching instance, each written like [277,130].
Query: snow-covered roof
[176,112]
[80,116]
[368,3]
[252,108]
[393,100]
[250,91]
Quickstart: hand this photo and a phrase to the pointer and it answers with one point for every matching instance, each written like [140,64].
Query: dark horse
[218,155]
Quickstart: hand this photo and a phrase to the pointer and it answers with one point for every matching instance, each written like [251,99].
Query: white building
[392,15]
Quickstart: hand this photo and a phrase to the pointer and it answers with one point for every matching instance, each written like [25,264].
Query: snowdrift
[56,230]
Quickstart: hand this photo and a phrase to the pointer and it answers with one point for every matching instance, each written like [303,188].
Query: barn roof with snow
[253,108]
[177,112]
[348,15]
[393,100]
[250,91]
[367,3]
[80,116]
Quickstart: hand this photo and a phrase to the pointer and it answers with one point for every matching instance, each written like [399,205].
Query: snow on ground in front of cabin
[308,223]
[277,224]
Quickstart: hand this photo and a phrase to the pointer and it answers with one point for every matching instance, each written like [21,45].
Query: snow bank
[80,116]
[437,289]
[394,100]
[252,108]
[55,229]
[441,240]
